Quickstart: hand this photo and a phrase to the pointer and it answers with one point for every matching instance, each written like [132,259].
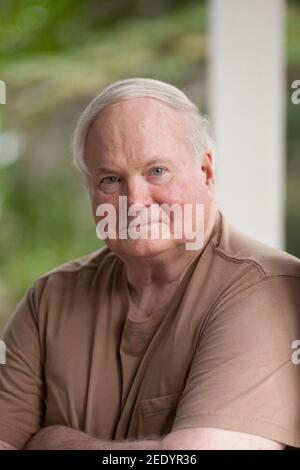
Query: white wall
[246,88]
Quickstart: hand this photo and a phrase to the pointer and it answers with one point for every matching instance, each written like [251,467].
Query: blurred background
[55,56]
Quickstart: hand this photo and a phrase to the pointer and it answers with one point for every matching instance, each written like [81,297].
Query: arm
[216,439]
[241,377]
[22,376]
[6,446]
[61,437]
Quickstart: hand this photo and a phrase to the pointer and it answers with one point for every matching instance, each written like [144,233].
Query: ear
[207,168]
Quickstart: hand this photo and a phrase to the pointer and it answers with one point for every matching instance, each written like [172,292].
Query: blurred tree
[293,134]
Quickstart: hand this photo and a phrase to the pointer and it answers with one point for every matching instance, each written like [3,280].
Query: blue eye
[110,179]
[158,173]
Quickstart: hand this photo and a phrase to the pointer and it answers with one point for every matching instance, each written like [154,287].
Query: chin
[140,247]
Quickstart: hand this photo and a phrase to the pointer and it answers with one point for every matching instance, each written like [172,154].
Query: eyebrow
[152,161]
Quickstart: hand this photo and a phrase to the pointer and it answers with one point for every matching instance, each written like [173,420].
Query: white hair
[141,87]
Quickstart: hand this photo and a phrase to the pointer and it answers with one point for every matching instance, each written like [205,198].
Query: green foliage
[292,132]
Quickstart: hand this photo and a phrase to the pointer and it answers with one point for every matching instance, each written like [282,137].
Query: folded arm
[61,437]
[6,446]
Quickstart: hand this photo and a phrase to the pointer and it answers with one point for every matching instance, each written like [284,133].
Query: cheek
[183,192]
[98,199]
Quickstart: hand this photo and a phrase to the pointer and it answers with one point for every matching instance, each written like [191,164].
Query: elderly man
[145,344]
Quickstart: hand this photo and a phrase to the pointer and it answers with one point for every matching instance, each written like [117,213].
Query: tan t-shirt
[220,356]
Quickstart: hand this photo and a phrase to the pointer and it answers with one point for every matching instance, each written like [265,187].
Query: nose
[138,192]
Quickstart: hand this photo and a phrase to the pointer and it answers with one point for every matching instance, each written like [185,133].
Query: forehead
[138,119]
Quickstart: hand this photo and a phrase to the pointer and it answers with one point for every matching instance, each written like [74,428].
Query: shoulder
[59,296]
[239,249]
[90,261]
[251,279]
[76,274]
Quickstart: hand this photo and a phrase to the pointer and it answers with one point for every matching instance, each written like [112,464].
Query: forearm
[6,446]
[110,445]
[61,437]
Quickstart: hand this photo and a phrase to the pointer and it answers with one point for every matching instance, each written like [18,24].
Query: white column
[246,89]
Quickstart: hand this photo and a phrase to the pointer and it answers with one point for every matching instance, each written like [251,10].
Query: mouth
[139,226]
[148,223]
[132,225]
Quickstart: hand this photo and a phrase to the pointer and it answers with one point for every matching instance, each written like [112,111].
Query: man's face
[139,148]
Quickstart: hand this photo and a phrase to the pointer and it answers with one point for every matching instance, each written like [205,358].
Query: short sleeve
[21,377]
[242,377]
